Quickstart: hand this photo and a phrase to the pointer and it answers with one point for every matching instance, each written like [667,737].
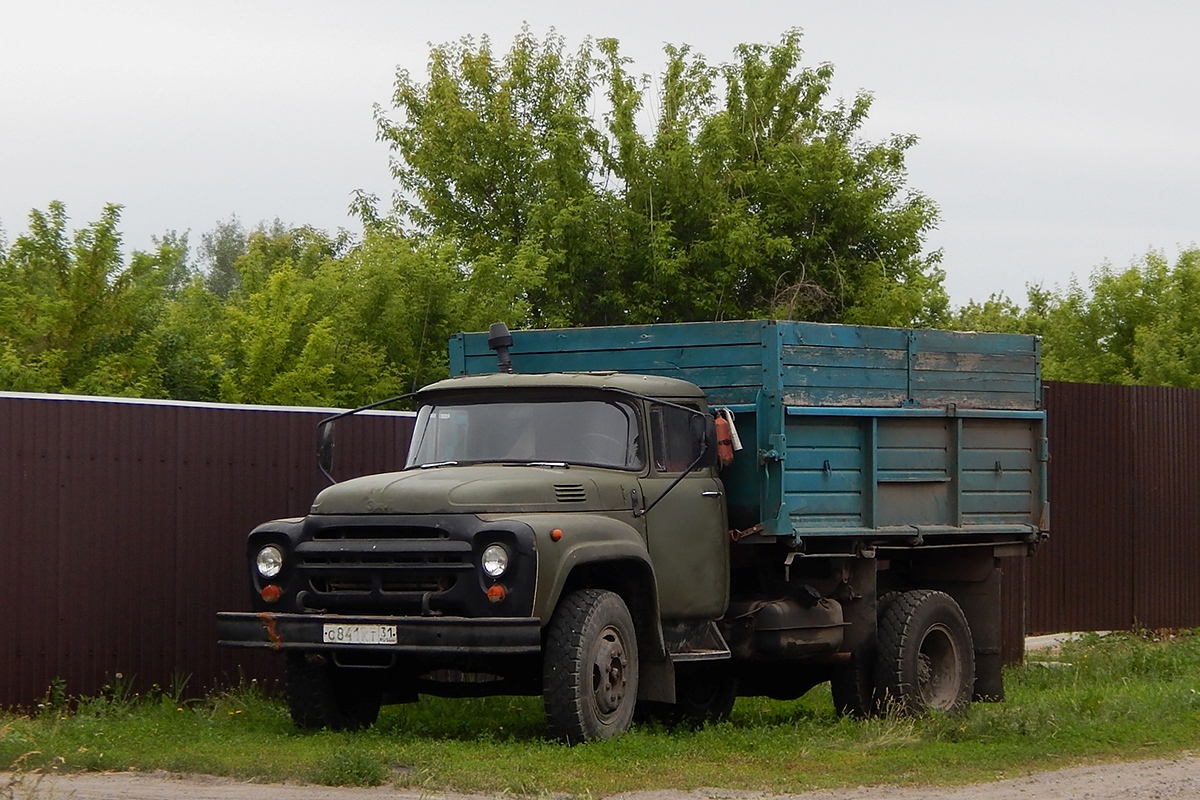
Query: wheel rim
[939,669]
[609,673]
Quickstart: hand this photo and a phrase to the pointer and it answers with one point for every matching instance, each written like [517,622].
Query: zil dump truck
[654,519]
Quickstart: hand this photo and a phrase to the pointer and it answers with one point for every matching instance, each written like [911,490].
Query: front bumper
[416,636]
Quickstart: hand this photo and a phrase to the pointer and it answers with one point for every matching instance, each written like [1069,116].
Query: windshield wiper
[555,464]
[511,463]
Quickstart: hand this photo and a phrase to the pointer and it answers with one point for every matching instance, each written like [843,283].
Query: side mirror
[325,448]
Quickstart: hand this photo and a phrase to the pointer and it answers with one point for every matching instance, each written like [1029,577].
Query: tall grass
[1122,696]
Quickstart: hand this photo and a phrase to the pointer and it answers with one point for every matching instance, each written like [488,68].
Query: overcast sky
[1054,136]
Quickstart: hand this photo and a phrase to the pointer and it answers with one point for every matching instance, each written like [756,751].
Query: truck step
[695,641]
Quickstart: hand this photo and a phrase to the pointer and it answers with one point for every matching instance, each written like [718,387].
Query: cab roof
[649,385]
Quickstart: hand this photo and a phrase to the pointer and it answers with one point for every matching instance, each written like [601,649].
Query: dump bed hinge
[736,535]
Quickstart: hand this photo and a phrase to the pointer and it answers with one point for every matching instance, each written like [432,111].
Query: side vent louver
[570,493]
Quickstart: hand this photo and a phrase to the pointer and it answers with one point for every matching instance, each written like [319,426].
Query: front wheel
[703,694]
[319,695]
[926,659]
[590,669]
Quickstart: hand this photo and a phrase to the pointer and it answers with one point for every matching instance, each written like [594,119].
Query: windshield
[603,433]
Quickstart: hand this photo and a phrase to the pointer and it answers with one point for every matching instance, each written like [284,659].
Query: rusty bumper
[431,636]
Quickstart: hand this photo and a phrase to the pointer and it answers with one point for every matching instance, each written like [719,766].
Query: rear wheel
[854,685]
[926,658]
[320,695]
[590,667]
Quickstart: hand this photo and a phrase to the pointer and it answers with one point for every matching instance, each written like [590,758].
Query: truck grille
[372,532]
[367,586]
[353,573]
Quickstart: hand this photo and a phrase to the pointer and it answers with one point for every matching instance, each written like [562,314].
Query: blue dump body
[848,431]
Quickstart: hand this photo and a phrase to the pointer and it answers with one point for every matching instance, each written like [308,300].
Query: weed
[120,692]
[19,785]
[173,695]
[21,782]
[54,702]
[346,767]
[891,731]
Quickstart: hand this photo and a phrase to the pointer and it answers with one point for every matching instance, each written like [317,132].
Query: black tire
[926,659]
[703,694]
[590,667]
[319,695]
[884,602]
[854,685]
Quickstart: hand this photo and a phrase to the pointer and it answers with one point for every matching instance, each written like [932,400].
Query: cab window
[674,445]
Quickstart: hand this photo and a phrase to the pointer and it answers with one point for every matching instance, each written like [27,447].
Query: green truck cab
[579,528]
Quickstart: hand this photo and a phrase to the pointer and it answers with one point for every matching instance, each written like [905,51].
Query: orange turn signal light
[556,534]
[271,593]
[496,593]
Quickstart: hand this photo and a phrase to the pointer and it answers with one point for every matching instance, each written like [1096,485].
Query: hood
[478,489]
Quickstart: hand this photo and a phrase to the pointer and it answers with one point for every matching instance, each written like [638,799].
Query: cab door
[686,531]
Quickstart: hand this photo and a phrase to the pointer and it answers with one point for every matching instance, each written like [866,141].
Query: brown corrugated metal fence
[124,529]
[1125,505]
[124,526]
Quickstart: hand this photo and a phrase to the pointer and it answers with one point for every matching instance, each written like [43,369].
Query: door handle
[710,494]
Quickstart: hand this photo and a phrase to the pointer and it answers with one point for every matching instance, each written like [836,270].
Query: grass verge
[1119,697]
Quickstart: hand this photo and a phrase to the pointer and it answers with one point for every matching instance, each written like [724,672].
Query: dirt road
[1143,780]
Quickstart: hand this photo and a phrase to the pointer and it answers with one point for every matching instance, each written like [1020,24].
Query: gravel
[1143,780]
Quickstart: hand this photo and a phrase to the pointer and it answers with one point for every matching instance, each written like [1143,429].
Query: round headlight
[494,560]
[269,561]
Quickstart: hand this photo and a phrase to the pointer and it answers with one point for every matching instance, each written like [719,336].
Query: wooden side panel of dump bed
[807,363]
[849,431]
[726,359]
[847,365]
[915,475]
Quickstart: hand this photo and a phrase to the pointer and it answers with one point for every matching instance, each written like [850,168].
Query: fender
[602,552]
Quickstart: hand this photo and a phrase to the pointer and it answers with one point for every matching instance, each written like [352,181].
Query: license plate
[359,634]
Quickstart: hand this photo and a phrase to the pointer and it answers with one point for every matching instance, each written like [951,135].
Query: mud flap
[656,682]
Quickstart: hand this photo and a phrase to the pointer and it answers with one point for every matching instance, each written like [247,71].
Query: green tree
[220,248]
[297,329]
[1000,313]
[1091,335]
[73,316]
[1139,325]
[187,337]
[172,256]
[395,301]
[1166,349]
[758,199]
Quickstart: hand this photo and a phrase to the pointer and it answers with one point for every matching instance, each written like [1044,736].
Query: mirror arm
[328,476]
[367,407]
[321,426]
[691,467]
